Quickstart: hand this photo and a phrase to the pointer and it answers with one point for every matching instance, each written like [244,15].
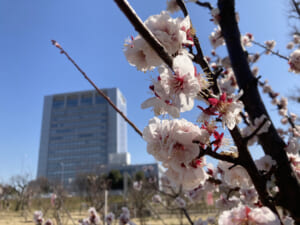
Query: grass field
[15,218]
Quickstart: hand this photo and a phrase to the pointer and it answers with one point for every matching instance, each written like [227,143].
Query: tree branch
[274,53]
[271,142]
[62,51]
[181,4]
[204,4]
[199,59]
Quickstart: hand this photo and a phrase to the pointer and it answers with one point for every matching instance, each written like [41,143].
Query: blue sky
[93,32]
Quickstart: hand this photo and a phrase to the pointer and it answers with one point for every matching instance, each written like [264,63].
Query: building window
[72,101]
[87,99]
[99,99]
[58,102]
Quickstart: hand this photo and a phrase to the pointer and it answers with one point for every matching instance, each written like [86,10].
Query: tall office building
[80,132]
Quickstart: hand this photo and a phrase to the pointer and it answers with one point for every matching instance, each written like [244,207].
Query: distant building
[150,170]
[81,131]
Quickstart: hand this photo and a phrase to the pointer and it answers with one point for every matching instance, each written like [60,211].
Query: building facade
[81,131]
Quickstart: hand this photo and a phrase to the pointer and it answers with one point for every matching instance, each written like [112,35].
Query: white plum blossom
[180,202]
[249,196]
[227,107]
[172,6]
[171,142]
[174,92]
[265,163]
[247,39]
[94,217]
[295,162]
[172,33]
[290,45]
[245,215]
[138,53]
[38,217]
[84,221]
[156,199]
[109,218]
[255,71]
[283,112]
[296,38]
[234,177]
[253,58]
[215,12]
[228,83]
[293,116]
[124,216]
[187,177]
[294,61]
[283,102]
[196,194]
[293,145]
[227,203]
[137,185]
[216,38]
[270,45]
[48,222]
[226,62]
[263,216]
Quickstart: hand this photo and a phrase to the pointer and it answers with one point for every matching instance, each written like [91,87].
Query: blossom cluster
[243,214]
[39,220]
[93,219]
[294,59]
[171,142]
[181,145]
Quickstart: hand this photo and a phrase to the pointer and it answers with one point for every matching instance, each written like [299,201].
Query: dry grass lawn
[13,218]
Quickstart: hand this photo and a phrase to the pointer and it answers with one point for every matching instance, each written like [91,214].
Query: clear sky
[93,32]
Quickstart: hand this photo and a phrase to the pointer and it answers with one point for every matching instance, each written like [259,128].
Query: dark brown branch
[181,4]
[271,142]
[244,118]
[145,32]
[246,161]
[204,4]
[62,51]
[199,59]
[268,49]
[187,215]
[254,133]
[296,7]
[222,157]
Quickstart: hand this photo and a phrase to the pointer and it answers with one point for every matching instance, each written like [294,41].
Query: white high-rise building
[80,132]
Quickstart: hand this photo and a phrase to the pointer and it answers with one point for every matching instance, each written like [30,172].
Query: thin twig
[296,7]
[204,4]
[273,95]
[145,32]
[268,49]
[187,215]
[210,152]
[62,51]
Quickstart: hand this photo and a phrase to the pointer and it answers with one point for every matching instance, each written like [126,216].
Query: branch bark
[62,51]
[273,145]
